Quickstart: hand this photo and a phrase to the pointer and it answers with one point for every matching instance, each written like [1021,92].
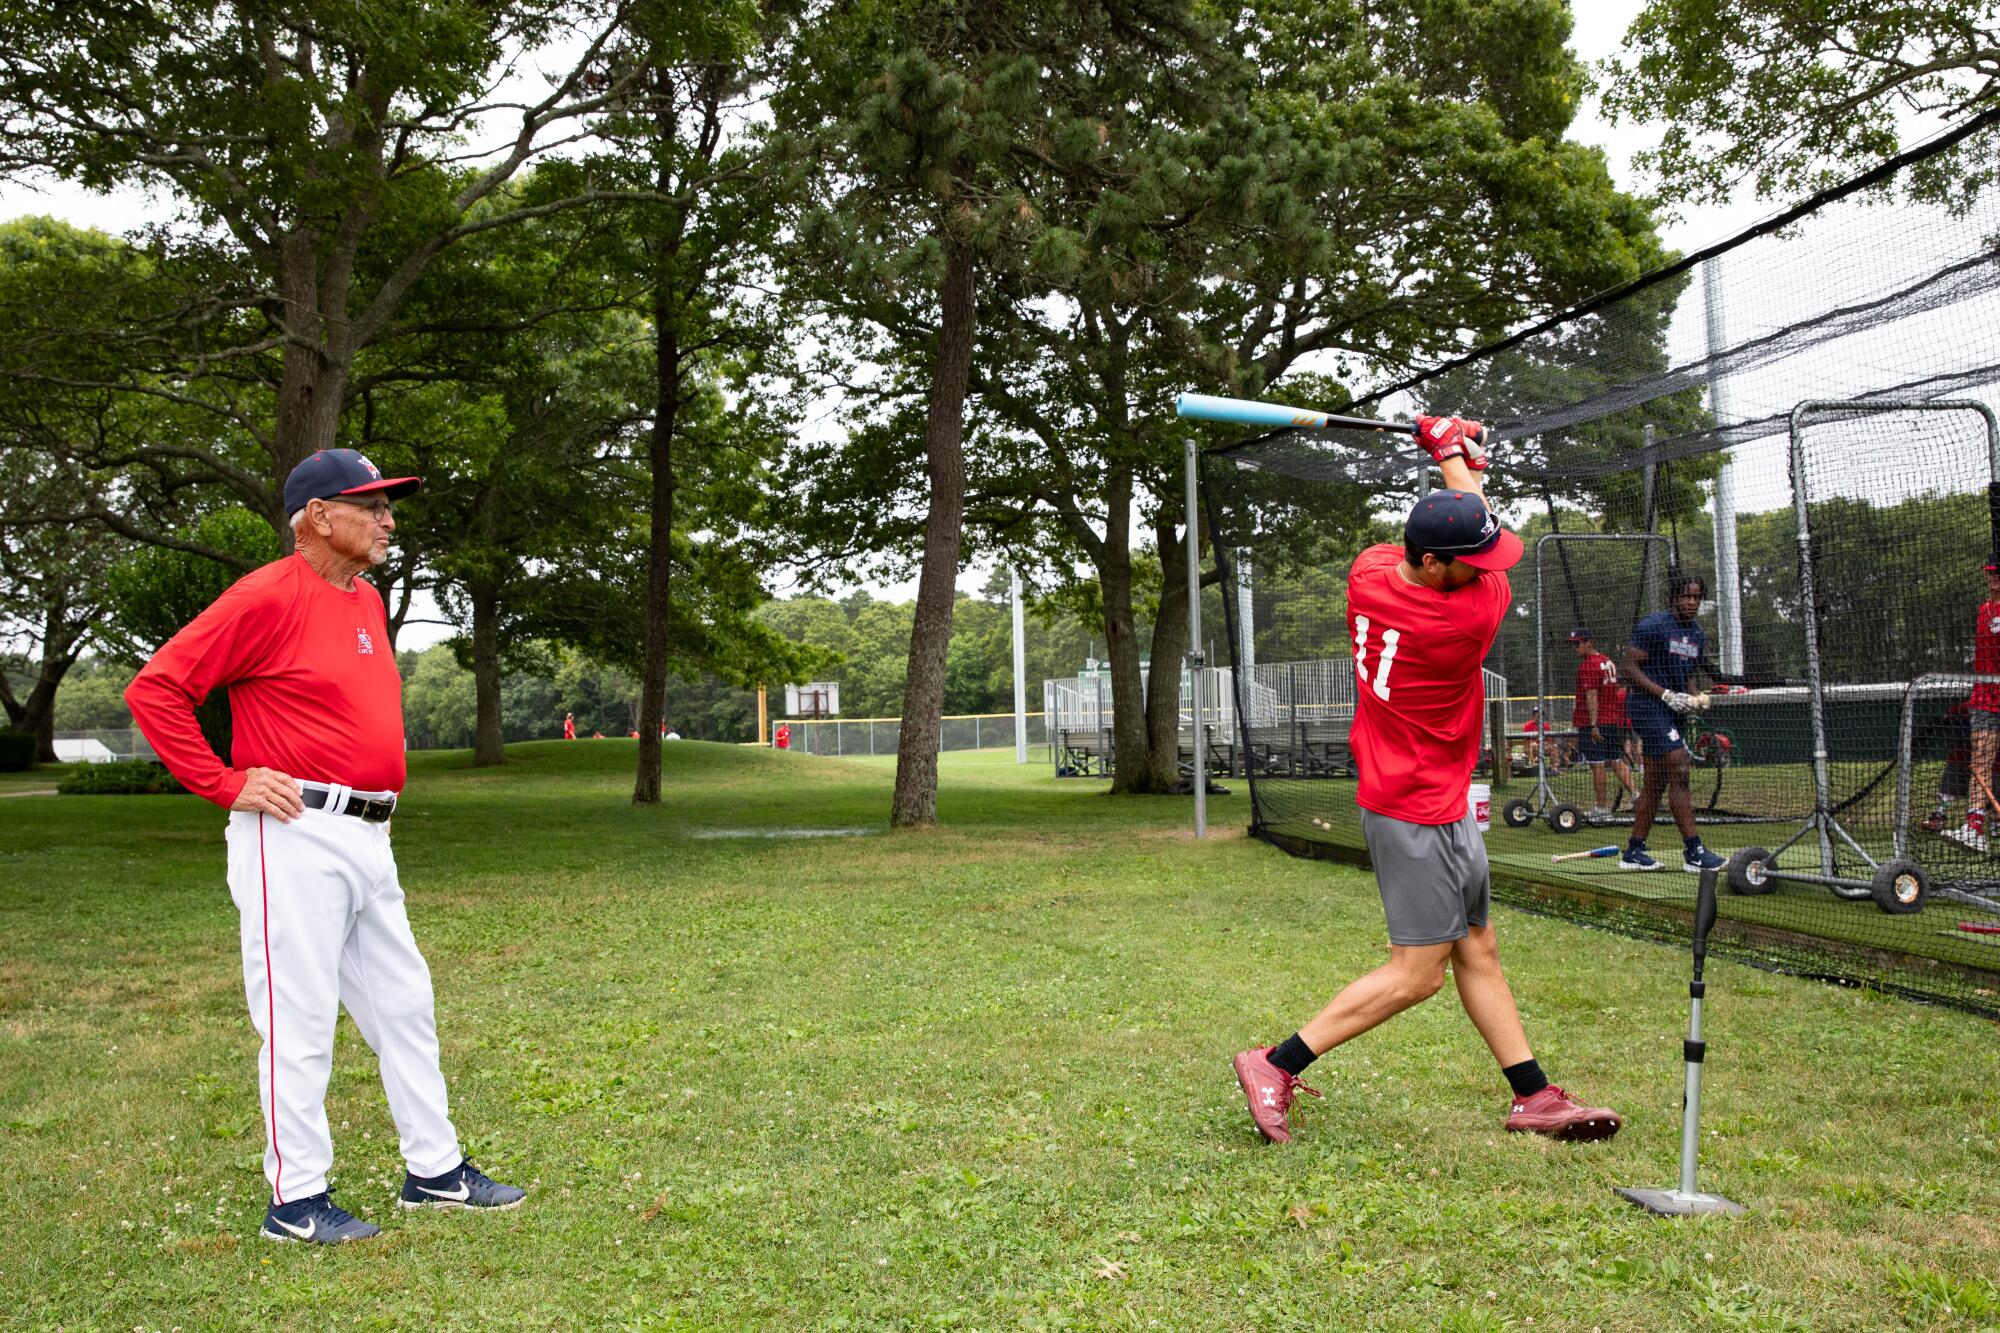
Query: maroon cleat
[1270,1090]
[1560,1116]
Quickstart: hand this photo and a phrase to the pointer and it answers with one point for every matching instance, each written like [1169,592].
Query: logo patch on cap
[373,471]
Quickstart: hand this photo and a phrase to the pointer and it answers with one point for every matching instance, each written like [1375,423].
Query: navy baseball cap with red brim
[331,472]
[1459,526]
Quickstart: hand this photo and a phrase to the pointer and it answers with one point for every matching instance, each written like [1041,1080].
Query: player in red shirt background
[1983,716]
[1599,718]
[1422,617]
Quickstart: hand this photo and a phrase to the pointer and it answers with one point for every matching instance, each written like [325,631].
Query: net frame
[1824,824]
[1545,802]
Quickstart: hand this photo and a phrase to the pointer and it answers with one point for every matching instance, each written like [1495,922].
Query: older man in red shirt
[302,646]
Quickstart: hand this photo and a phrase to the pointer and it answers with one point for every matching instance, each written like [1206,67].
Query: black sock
[1526,1078]
[1692,845]
[1292,1055]
[1635,844]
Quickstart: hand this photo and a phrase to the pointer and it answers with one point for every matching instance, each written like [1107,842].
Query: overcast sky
[1600,28]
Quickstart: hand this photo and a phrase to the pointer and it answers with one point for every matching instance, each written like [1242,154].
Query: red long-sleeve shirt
[313,689]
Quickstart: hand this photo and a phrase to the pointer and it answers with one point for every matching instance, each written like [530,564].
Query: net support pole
[1685,1200]
[1729,586]
[1246,647]
[1651,577]
[1809,602]
[1194,658]
[1544,798]
[1020,673]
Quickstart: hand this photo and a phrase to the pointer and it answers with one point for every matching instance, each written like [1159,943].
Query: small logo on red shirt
[362,643]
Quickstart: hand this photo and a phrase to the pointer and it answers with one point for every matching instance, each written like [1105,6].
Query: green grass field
[970,1078]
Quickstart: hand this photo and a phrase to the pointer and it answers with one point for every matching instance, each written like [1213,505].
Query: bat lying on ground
[1578,856]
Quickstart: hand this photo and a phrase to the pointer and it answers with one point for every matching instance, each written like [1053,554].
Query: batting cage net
[1764,477]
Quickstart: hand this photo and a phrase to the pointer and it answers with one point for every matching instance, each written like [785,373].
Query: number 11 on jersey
[1383,659]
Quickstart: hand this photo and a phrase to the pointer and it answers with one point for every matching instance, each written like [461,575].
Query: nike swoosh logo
[303,1233]
[460,1195]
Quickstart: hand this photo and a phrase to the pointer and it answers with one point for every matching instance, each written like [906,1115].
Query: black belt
[375,812]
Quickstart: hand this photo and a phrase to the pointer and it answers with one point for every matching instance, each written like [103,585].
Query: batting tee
[1799,417]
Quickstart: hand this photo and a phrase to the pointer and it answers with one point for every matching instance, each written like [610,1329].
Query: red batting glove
[1453,437]
[1475,444]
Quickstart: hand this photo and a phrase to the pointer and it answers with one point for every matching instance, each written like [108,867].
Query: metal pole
[1815,692]
[1729,585]
[1195,658]
[1246,647]
[1686,1200]
[1650,576]
[1543,796]
[1020,676]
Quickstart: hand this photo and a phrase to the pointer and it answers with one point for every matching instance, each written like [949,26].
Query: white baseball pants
[323,925]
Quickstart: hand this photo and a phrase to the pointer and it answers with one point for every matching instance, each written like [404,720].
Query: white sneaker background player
[302,646]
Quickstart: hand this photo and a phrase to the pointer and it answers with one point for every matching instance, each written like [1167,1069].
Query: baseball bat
[1578,856]
[1249,412]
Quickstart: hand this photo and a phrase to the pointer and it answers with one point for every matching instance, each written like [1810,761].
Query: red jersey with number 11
[1417,656]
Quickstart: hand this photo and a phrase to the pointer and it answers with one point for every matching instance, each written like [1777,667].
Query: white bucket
[1479,800]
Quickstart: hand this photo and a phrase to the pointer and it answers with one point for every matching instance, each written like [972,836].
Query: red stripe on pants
[270,1015]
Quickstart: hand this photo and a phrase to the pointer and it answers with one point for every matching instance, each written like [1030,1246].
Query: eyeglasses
[375,509]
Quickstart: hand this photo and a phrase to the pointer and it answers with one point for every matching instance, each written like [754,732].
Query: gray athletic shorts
[1434,879]
[1980,719]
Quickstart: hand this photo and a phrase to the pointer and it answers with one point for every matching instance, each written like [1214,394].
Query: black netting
[1798,420]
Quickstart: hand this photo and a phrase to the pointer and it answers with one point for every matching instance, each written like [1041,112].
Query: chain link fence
[861,736]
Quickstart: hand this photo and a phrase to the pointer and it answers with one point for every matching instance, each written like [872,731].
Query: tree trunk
[1132,771]
[660,559]
[660,454]
[1170,646]
[915,802]
[313,382]
[36,714]
[488,745]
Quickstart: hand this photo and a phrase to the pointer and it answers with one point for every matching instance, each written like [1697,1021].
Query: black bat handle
[1704,919]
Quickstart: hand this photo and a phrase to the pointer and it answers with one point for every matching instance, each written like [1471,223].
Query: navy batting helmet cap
[1581,635]
[332,472]
[1457,525]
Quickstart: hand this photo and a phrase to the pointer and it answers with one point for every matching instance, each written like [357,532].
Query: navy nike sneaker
[1698,858]
[316,1221]
[464,1186]
[1635,858]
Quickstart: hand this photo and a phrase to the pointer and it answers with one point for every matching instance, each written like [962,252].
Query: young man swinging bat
[1422,616]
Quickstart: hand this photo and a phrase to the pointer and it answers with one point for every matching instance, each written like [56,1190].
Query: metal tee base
[1673,1203]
